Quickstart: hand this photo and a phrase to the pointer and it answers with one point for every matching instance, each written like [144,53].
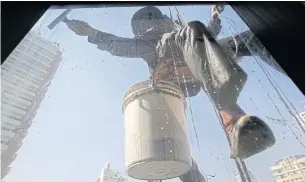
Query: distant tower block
[109,175]
[156,142]
[25,78]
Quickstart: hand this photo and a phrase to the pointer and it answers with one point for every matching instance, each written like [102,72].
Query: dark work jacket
[145,47]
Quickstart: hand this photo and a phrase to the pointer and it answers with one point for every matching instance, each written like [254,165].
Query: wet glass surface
[78,95]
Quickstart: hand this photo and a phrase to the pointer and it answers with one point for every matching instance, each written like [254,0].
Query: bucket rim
[164,87]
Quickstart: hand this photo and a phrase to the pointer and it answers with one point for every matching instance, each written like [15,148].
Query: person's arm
[117,46]
[122,47]
[214,25]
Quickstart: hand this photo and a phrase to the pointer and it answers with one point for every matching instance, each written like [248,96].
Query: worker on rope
[191,52]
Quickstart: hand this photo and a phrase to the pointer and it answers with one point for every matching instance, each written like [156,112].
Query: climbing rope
[179,84]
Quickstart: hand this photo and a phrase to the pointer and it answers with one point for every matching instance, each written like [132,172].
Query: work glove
[216,10]
[81,28]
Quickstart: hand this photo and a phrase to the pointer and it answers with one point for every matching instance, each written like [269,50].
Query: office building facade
[290,169]
[25,77]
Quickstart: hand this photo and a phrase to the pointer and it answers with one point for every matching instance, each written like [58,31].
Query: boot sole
[251,136]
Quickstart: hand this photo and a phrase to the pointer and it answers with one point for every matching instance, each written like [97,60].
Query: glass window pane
[166,93]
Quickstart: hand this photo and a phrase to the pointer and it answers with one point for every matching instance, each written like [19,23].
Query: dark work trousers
[222,78]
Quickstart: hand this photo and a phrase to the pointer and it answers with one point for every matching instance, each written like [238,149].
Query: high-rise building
[290,169]
[26,75]
[110,175]
[237,177]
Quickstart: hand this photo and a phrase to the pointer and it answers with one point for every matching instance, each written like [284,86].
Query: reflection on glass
[202,99]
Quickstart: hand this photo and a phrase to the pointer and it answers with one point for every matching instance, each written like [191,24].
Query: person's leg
[223,80]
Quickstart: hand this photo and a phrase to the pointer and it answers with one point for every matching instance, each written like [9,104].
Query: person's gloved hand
[81,28]
[216,10]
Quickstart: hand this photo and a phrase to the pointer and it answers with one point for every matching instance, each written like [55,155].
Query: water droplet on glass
[161,128]
[170,151]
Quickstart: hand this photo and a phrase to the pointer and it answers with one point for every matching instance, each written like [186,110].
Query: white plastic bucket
[156,142]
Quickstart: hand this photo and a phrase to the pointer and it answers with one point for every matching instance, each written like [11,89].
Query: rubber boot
[249,135]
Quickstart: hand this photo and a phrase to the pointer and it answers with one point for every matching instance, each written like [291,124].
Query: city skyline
[79,125]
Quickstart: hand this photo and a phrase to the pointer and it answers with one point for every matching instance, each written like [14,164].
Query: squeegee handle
[66,20]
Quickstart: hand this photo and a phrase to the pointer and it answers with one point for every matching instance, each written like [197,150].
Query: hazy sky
[79,125]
